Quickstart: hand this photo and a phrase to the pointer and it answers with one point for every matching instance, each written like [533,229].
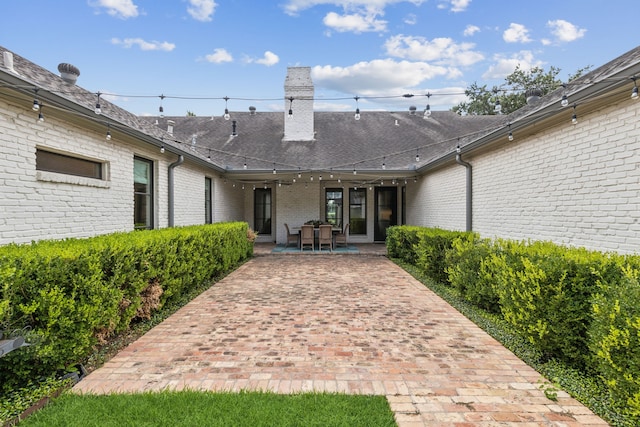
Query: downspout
[469,187]
[172,166]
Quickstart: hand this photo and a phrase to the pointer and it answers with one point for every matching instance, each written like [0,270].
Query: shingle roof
[340,141]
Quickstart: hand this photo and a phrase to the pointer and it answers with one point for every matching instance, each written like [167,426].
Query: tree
[512,94]
[190,113]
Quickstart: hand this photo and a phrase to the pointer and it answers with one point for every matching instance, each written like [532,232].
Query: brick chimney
[298,86]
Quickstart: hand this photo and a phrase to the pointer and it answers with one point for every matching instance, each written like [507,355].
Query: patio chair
[325,236]
[307,237]
[291,237]
[341,238]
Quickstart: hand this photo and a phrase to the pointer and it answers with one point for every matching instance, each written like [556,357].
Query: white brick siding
[576,185]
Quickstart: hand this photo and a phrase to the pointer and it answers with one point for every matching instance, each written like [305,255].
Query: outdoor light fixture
[354,170]
[209,156]
[40,115]
[245,164]
[98,110]
[417,156]
[274,169]
[226,110]
[162,148]
[565,99]
[497,108]
[290,106]
[108,132]
[384,165]
[357,115]
[427,109]
[160,108]
[574,117]
[510,133]
[634,91]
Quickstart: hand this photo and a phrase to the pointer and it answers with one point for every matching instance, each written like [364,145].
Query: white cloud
[293,7]
[411,19]
[516,33]
[380,76]
[119,8]
[143,44]
[471,30]
[219,56]
[441,50]
[268,59]
[565,31]
[505,66]
[454,5]
[356,23]
[201,10]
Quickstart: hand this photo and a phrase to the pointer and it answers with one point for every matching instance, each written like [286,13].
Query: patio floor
[339,323]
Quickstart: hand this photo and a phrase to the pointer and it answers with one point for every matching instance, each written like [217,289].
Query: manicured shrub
[545,292]
[401,242]
[431,249]
[615,338]
[76,293]
[468,274]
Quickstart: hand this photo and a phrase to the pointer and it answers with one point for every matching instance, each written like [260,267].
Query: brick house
[573,184]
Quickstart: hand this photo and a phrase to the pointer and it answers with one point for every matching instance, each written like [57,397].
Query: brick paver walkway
[339,323]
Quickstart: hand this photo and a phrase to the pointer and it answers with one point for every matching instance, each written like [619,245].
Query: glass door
[386,212]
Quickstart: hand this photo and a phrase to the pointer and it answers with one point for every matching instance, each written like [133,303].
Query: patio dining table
[334,230]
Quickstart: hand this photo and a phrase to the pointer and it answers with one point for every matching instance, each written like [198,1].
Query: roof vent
[7,58]
[170,124]
[412,110]
[68,72]
[533,95]
[252,110]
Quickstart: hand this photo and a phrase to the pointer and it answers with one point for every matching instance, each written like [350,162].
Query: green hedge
[578,306]
[76,293]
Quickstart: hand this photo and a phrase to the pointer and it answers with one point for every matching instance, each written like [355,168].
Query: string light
[226,110]
[427,109]
[160,108]
[36,104]
[565,99]
[417,156]
[384,164]
[290,106]
[108,132]
[98,110]
[209,155]
[574,117]
[634,91]
[357,115]
[40,115]
[510,133]
[274,169]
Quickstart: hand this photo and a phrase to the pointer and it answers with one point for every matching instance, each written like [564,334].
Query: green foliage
[481,100]
[467,272]
[77,293]
[401,241]
[431,249]
[615,338]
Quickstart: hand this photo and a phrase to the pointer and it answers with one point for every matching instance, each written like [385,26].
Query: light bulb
[98,110]
[498,108]
[226,116]
[40,117]
[565,100]
[427,112]
[417,158]
[108,136]
[634,92]
[357,115]
[510,136]
[36,105]
[162,149]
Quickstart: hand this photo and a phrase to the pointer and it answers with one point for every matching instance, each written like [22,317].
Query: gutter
[172,166]
[469,208]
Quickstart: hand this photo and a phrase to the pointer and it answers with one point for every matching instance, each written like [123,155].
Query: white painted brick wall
[38,205]
[576,185]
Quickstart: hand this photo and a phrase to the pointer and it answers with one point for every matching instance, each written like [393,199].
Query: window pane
[60,163]
[357,211]
[207,201]
[333,206]
[143,193]
[262,210]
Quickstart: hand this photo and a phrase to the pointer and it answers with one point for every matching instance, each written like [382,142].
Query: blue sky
[138,50]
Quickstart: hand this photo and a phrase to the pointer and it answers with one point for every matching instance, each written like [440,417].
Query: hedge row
[76,293]
[578,306]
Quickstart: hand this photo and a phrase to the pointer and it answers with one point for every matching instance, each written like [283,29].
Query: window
[143,193]
[357,211]
[262,210]
[61,163]
[333,206]
[208,205]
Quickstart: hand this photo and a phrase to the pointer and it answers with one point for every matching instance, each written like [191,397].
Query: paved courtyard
[339,323]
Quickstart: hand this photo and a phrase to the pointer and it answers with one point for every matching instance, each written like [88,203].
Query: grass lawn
[192,408]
